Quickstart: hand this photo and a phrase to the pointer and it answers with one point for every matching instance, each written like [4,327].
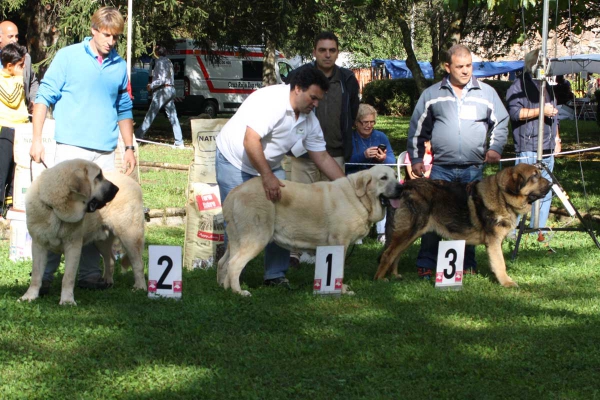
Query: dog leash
[31,167]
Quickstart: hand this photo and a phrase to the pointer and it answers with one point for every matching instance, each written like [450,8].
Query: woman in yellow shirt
[13,110]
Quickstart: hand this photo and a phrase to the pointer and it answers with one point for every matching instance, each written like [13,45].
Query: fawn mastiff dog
[482,212]
[307,216]
[73,204]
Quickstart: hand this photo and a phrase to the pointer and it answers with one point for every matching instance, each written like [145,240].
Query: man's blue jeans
[277,259]
[427,257]
[547,200]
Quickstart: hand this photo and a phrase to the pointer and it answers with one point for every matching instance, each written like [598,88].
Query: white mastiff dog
[319,214]
[73,204]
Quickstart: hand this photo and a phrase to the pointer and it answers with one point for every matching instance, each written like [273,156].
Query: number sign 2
[451,255]
[164,271]
[329,270]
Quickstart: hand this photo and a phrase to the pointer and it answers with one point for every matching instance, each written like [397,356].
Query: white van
[221,84]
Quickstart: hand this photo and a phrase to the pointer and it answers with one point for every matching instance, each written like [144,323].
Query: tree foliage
[405,29]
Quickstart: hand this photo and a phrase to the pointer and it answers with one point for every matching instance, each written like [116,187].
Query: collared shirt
[268,112]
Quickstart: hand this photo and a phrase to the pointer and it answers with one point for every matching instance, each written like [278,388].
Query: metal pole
[129,36]
[542,61]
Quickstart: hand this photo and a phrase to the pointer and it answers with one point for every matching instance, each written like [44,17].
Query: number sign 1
[329,270]
[451,255]
[164,271]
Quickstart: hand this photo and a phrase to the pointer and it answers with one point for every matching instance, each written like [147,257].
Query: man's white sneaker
[179,146]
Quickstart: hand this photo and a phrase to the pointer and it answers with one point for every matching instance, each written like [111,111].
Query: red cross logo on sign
[177,286]
[152,286]
[458,276]
[338,283]
[317,284]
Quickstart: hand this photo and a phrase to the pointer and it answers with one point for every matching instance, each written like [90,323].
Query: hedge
[399,97]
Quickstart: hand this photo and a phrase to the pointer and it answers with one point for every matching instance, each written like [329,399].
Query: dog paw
[245,293]
[140,286]
[27,298]
[346,290]
[67,300]
[510,284]
[398,277]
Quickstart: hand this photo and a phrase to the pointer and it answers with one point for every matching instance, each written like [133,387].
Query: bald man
[9,33]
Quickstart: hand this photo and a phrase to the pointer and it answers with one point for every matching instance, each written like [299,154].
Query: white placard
[164,271]
[329,270]
[450,263]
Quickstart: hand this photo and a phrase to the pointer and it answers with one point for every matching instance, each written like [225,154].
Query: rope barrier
[156,143]
[562,153]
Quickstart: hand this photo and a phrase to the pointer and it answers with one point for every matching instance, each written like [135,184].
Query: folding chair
[400,164]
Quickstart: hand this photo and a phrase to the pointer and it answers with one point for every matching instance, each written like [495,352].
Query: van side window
[252,70]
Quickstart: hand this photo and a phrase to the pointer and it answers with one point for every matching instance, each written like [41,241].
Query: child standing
[13,110]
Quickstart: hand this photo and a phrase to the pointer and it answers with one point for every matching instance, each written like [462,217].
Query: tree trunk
[269,76]
[457,25]
[411,58]
[42,31]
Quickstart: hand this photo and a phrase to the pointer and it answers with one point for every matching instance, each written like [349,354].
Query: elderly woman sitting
[369,146]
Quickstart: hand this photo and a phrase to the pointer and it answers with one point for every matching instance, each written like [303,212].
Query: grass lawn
[392,340]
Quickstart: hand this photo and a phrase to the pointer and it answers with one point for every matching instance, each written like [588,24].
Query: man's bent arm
[253,147]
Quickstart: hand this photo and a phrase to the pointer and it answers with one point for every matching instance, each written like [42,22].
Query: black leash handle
[31,167]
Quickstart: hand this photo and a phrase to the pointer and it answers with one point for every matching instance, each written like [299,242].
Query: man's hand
[418,170]
[550,110]
[37,152]
[272,187]
[128,162]
[492,157]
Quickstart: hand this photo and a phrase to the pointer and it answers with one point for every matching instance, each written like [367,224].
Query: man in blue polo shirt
[87,84]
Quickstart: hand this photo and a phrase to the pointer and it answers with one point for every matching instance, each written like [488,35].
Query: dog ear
[361,184]
[513,182]
[80,183]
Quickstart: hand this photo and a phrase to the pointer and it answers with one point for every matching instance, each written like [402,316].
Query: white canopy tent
[589,63]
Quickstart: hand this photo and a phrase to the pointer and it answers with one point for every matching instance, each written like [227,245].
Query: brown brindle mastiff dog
[482,212]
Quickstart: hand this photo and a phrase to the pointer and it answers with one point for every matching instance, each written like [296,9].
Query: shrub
[501,88]
[398,97]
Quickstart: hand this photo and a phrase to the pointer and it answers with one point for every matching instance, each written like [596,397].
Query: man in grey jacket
[9,33]
[467,125]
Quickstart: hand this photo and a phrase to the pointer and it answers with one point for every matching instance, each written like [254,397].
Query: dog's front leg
[498,265]
[72,256]
[40,256]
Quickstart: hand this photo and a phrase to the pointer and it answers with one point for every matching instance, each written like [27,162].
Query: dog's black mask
[96,204]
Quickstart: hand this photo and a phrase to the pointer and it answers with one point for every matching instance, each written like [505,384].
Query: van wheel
[210,108]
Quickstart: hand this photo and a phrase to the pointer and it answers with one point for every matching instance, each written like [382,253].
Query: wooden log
[154,164]
[167,212]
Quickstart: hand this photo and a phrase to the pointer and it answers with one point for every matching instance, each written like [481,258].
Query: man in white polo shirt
[270,123]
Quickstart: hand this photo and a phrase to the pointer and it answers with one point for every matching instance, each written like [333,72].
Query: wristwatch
[132,148]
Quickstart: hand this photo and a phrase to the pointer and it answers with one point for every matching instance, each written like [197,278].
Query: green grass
[392,340]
